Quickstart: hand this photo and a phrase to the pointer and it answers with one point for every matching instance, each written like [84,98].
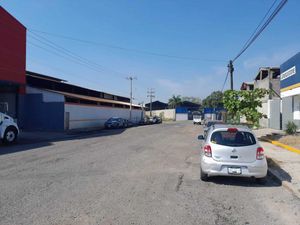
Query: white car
[8,129]
[197,119]
[231,151]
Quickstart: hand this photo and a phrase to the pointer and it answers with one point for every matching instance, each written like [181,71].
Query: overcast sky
[177,47]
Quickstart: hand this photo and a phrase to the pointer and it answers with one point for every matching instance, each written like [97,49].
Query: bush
[291,128]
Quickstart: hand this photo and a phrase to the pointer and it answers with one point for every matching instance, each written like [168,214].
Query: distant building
[185,110]
[156,105]
[247,86]
[269,78]
[290,90]
[69,106]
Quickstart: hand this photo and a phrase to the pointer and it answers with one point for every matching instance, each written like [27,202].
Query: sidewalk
[283,164]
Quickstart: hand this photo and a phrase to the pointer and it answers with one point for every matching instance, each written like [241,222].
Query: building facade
[269,79]
[290,90]
[12,64]
[69,106]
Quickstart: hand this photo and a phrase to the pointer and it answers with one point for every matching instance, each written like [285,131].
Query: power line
[225,80]
[267,22]
[260,23]
[127,49]
[71,54]
[63,56]
[259,29]
[86,79]
[61,50]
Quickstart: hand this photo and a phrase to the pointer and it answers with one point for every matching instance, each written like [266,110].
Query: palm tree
[174,101]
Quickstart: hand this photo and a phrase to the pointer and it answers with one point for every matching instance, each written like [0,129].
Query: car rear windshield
[239,138]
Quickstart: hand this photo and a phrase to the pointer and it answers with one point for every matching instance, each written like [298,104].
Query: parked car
[115,122]
[197,119]
[128,123]
[8,129]
[232,151]
[155,120]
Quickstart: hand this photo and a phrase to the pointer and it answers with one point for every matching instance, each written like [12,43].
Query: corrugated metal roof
[41,76]
[84,97]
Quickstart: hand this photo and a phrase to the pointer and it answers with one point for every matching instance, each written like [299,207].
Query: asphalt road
[142,175]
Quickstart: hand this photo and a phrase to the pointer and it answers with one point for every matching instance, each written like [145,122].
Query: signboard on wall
[290,77]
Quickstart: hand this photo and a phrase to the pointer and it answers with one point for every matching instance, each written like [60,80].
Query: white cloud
[199,86]
[273,59]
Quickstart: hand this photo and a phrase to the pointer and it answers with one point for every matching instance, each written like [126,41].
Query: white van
[197,119]
[8,129]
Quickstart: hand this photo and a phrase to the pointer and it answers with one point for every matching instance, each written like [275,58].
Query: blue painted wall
[295,79]
[181,109]
[39,115]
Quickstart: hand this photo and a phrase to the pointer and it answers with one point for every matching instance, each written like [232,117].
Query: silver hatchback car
[230,150]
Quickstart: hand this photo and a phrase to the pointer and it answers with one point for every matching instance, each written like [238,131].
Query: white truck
[8,129]
[197,119]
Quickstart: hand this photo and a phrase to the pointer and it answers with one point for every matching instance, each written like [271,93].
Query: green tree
[174,101]
[196,100]
[214,100]
[231,101]
[245,103]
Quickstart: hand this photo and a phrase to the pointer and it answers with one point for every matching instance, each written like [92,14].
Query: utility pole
[231,69]
[151,95]
[130,110]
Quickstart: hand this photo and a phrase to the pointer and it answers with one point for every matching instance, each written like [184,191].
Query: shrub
[291,128]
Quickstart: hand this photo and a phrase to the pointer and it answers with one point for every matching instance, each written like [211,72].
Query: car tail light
[232,130]
[260,153]
[207,151]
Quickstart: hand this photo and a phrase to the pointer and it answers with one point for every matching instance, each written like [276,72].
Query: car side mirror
[201,137]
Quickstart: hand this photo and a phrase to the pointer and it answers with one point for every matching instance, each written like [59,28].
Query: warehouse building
[290,90]
[41,102]
[53,104]
[12,64]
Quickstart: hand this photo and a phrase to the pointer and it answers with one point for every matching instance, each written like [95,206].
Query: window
[237,139]
[296,109]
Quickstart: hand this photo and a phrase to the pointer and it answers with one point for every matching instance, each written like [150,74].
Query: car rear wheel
[203,176]
[10,135]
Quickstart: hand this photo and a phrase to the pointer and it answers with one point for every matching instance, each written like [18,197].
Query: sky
[179,47]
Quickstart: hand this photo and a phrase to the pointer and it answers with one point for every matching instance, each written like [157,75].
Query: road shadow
[26,143]
[273,136]
[244,182]
[279,174]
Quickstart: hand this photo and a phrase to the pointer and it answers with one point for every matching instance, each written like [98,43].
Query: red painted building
[12,63]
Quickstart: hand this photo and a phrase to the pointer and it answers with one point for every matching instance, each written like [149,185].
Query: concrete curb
[279,144]
[285,184]
[276,175]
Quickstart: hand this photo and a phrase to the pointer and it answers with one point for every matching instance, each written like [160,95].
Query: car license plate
[234,170]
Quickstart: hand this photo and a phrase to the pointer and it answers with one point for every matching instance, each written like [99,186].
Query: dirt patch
[292,140]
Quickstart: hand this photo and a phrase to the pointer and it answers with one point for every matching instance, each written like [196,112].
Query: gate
[274,114]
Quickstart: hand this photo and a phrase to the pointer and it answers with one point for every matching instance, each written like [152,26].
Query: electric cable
[225,80]
[127,49]
[267,22]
